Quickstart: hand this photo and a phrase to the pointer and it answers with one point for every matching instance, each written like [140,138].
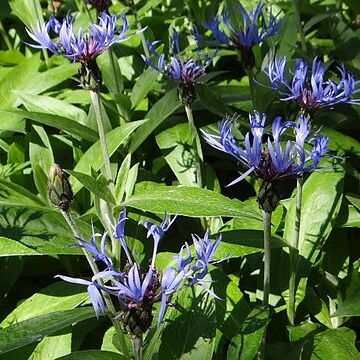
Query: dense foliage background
[45,117]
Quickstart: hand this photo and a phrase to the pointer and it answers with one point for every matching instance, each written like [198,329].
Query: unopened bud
[59,188]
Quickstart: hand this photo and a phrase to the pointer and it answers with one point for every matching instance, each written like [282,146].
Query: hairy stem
[109,304]
[294,254]
[138,347]
[300,28]
[95,98]
[267,256]
[195,143]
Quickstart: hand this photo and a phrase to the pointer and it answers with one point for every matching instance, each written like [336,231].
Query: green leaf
[175,144]
[53,106]
[29,12]
[340,142]
[98,187]
[321,202]
[55,297]
[41,230]
[16,194]
[158,113]
[211,101]
[236,243]
[25,78]
[58,122]
[187,201]
[93,159]
[232,310]
[143,85]
[12,122]
[93,355]
[10,247]
[34,329]
[111,74]
[245,345]
[122,177]
[41,157]
[189,334]
[350,302]
[334,345]
[54,346]
[21,77]
[328,344]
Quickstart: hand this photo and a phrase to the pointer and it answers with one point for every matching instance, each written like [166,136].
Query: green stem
[195,143]
[109,304]
[300,28]
[123,118]
[138,348]
[294,254]
[95,98]
[267,256]
[5,36]
[140,29]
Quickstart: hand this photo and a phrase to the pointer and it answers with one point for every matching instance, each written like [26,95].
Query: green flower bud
[59,188]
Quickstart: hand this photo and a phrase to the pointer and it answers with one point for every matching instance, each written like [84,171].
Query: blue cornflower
[93,290]
[312,92]
[137,290]
[119,233]
[81,46]
[205,250]
[157,232]
[186,71]
[272,159]
[98,254]
[252,32]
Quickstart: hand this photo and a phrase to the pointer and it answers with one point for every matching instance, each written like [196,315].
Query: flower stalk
[138,347]
[291,310]
[195,143]
[267,256]
[61,195]
[95,99]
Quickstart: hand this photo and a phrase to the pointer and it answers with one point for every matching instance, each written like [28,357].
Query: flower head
[310,90]
[185,70]
[275,158]
[137,289]
[83,46]
[253,31]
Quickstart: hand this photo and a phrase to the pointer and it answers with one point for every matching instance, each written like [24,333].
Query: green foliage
[45,118]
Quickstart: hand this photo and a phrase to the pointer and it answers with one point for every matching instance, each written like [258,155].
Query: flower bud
[59,188]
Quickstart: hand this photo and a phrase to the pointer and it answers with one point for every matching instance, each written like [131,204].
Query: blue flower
[312,91]
[136,289]
[272,159]
[157,232]
[182,69]
[81,46]
[93,290]
[98,254]
[253,31]
[119,233]
[205,250]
